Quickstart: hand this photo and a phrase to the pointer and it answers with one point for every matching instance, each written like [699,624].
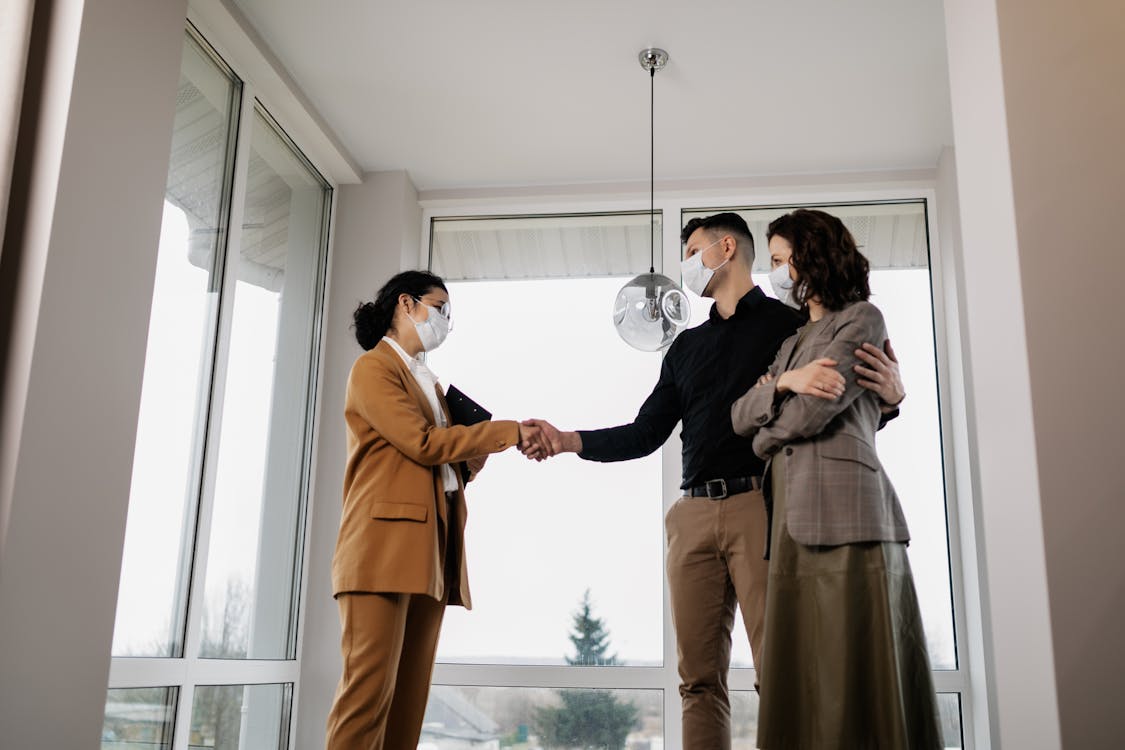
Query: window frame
[187,670]
[960,680]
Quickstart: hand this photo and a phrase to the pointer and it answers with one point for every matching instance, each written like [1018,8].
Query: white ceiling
[524,92]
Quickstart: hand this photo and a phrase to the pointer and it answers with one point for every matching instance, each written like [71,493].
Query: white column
[85,227]
[1008,514]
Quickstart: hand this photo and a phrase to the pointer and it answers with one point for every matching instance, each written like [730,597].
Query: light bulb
[650,311]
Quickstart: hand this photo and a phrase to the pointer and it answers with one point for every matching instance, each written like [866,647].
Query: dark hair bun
[370,325]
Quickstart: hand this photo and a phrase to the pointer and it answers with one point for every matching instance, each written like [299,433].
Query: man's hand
[881,374]
[533,443]
[549,441]
[818,378]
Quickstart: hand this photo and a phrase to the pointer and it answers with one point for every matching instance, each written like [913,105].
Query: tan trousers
[714,561]
[389,643]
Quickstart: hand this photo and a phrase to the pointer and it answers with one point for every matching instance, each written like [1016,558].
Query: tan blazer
[393,529]
[837,491]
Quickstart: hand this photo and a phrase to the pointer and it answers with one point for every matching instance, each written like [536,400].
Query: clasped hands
[540,440]
[879,372]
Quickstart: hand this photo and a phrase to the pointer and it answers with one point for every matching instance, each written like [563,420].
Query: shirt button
[789,451]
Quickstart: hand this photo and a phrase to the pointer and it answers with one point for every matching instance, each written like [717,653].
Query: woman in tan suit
[400,556]
[844,661]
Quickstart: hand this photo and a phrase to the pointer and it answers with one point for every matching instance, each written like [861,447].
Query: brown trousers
[714,561]
[389,643]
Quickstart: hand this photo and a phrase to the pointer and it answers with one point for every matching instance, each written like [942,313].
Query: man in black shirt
[717,530]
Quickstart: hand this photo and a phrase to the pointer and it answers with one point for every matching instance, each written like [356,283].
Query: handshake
[540,440]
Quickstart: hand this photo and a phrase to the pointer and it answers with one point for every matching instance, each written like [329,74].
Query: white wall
[1013,594]
[377,235]
[79,256]
[1064,89]
[1038,116]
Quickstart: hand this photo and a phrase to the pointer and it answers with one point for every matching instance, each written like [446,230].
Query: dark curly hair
[372,320]
[829,265]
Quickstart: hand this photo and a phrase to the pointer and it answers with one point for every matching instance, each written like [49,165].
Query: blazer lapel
[389,353]
[393,357]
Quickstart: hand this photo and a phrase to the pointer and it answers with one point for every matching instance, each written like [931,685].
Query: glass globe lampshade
[650,311]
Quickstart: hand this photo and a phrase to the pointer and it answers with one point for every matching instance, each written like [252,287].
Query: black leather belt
[718,489]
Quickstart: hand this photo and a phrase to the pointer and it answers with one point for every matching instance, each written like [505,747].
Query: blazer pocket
[399,512]
[844,447]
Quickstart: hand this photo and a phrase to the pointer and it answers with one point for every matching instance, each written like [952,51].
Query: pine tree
[588,719]
[590,638]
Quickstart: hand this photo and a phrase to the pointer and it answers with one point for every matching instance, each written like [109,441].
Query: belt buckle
[722,483]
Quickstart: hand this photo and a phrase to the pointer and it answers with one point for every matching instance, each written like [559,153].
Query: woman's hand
[818,378]
[543,440]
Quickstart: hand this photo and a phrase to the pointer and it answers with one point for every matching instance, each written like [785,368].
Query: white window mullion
[672,467]
[941,277]
[313,451]
[136,672]
[196,599]
[535,676]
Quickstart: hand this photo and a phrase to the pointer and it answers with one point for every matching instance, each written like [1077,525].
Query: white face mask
[783,286]
[433,330]
[695,274]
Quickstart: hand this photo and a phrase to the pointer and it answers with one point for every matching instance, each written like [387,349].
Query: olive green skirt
[844,662]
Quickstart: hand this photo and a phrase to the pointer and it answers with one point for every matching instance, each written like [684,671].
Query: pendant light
[651,309]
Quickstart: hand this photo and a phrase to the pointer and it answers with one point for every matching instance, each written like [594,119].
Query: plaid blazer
[836,490]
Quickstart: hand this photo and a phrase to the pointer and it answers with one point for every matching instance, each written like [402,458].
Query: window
[552,346]
[253,561]
[894,238]
[215,537]
[179,362]
[532,297]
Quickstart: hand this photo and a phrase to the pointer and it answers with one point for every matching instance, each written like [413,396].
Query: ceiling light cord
[652,170]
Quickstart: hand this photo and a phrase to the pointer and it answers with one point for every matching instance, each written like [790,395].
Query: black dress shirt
[705,370]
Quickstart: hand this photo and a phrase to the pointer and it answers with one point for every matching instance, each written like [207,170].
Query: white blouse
[428,382]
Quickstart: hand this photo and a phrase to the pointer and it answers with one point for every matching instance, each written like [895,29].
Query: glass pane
[910,450]
[894,238]
[554,530]
[743,720]
[166,460]
[139,718]
[234,717]
[949,706]
[256,528]
[487,717]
